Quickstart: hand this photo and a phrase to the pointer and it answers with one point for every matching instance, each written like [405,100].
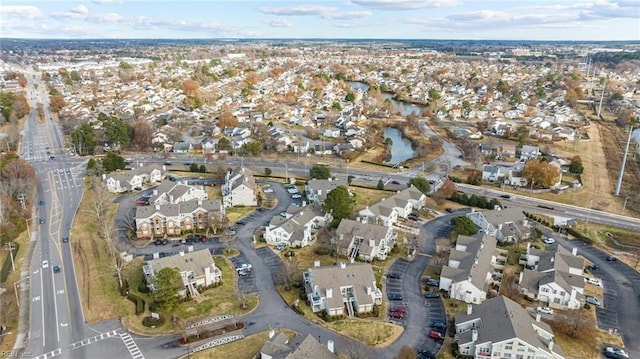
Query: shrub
[142,287]
[322,250]
[140,304]
[152,322]
[587,306]
[124,288]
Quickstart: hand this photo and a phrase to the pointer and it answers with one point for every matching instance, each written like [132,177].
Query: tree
[421,184]
[577,323]
[227,119]
[350,96]
[190,87]
[540,173]
[142,135]
[83,139]
[380,185]
[435,143]
[113,162]
[463,226]
[224,144]
[339,203]
[319,172]
[522,134]
[118,132]
[194,167]
[166,283]
[267,171]
[56,102]
[434,95]
[94,167]
[576,165]
[406,352]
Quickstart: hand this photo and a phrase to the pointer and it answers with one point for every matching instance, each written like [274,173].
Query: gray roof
[356,275]
[310,348]
[324,186]
[400,199]
[194,261]
[299,219]
[531,280]
[475,261]
[242,176]
[276,347]
[503,319]
[508,215]
[556,257]
[173,210]
[348,229]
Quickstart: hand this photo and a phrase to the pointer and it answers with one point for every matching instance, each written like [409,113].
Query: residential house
[469,272]
[553,275]
[364,240]
[387,211]
[505,225]
[197,269]
[317,189]
[160,221]
[332,288]
[209,145]
[123,181]
[239,188]
[491,173]
[172,193]
[296,226]
[501,328]
[278,346]
[332,132]
[529,153]
[182,147]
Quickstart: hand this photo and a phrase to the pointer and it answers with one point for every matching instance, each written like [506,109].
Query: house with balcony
[317,189]
[344,289]
[505,225]
[501,328]
[278,346]
[364,241]
[471,269]
[170,192]
[239,188]
[160,221]
[197,270]
[554,276]
[387,211]
[123,181]
[296,227]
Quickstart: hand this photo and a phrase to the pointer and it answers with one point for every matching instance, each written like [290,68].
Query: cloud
[279,22]
[405,4]
[613,9]
[347,15]
[104,2]
[298,10]
[23,11]
[107,18]
[80,9]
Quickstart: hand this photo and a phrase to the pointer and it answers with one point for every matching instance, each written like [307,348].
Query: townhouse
[554,276]
[278,346]
[505,225]
[317,189]
[123,181]
[364,241]
[239,188]
[501,328]
[333,288]
[296,227]
[469,273]
[387,211]
[173,193]
[174,219]
[197,270]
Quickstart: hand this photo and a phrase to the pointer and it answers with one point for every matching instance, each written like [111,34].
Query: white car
[593,300]
[594,281]
[296,196]
[615,352]
[544,310]
[549,241]
[45,264]
[267,190]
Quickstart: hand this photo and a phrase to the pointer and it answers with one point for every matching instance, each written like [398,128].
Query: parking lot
[271,259]
[606,314]
[246,283]
[393,282]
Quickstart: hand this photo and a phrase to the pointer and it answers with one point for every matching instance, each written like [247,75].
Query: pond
[405,108]
[401,149]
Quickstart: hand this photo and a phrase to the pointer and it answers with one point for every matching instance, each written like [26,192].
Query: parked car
[432,294]
[393,275]
[593,300]
[434,334]
[56,269]
[426,354]
[615,352]
[241,223]
[398,309]
[612,259]
[549,241]
[396,315]
[592,267]
[438,324]
[433,282]
[594,281]
[413,216]
[282,245]
[544,310]
[394,296]
[142,202]
[267,190]
[296,196]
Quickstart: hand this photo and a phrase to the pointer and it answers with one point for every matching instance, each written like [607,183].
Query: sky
[349,19]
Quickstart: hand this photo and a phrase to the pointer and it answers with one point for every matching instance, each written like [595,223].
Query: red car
[396,315]
[398,310]
[436,335]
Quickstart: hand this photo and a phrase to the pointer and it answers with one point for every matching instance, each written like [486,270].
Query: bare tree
[443,244]
[99,201]
[406,352]
[509,287]
[578,323]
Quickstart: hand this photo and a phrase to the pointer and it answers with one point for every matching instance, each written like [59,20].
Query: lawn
[374,333]
[94,273]
[365,197]
[246,348]
[235,213]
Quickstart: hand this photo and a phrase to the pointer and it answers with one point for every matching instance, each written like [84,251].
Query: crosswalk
[51,354]
[131,345]
[95,338]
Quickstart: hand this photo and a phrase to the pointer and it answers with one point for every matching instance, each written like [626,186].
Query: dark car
[394,296]
[65,239]
[394,276]
[167,163]
[450,210]
[426,354]
[433,282]
[56,269]
[395,182]
[505,196]
[41,202]
[612,259]
[41,220]
[431,294]
[413,217]
[241,223]
[592,267]
[438,324]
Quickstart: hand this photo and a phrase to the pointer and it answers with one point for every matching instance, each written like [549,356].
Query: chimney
[538,317]
[351,260]
[372,243]
[157,207]
[190,249]
[550,344]
[474,335]
[521,276]
[331,346]
[574,251]
[304,203]
[181,253]
[368,290]
[104,177]
[469,309]
[272,333]
[316,263]
[343,265]
[199,202]
[528,246]
[329,293]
